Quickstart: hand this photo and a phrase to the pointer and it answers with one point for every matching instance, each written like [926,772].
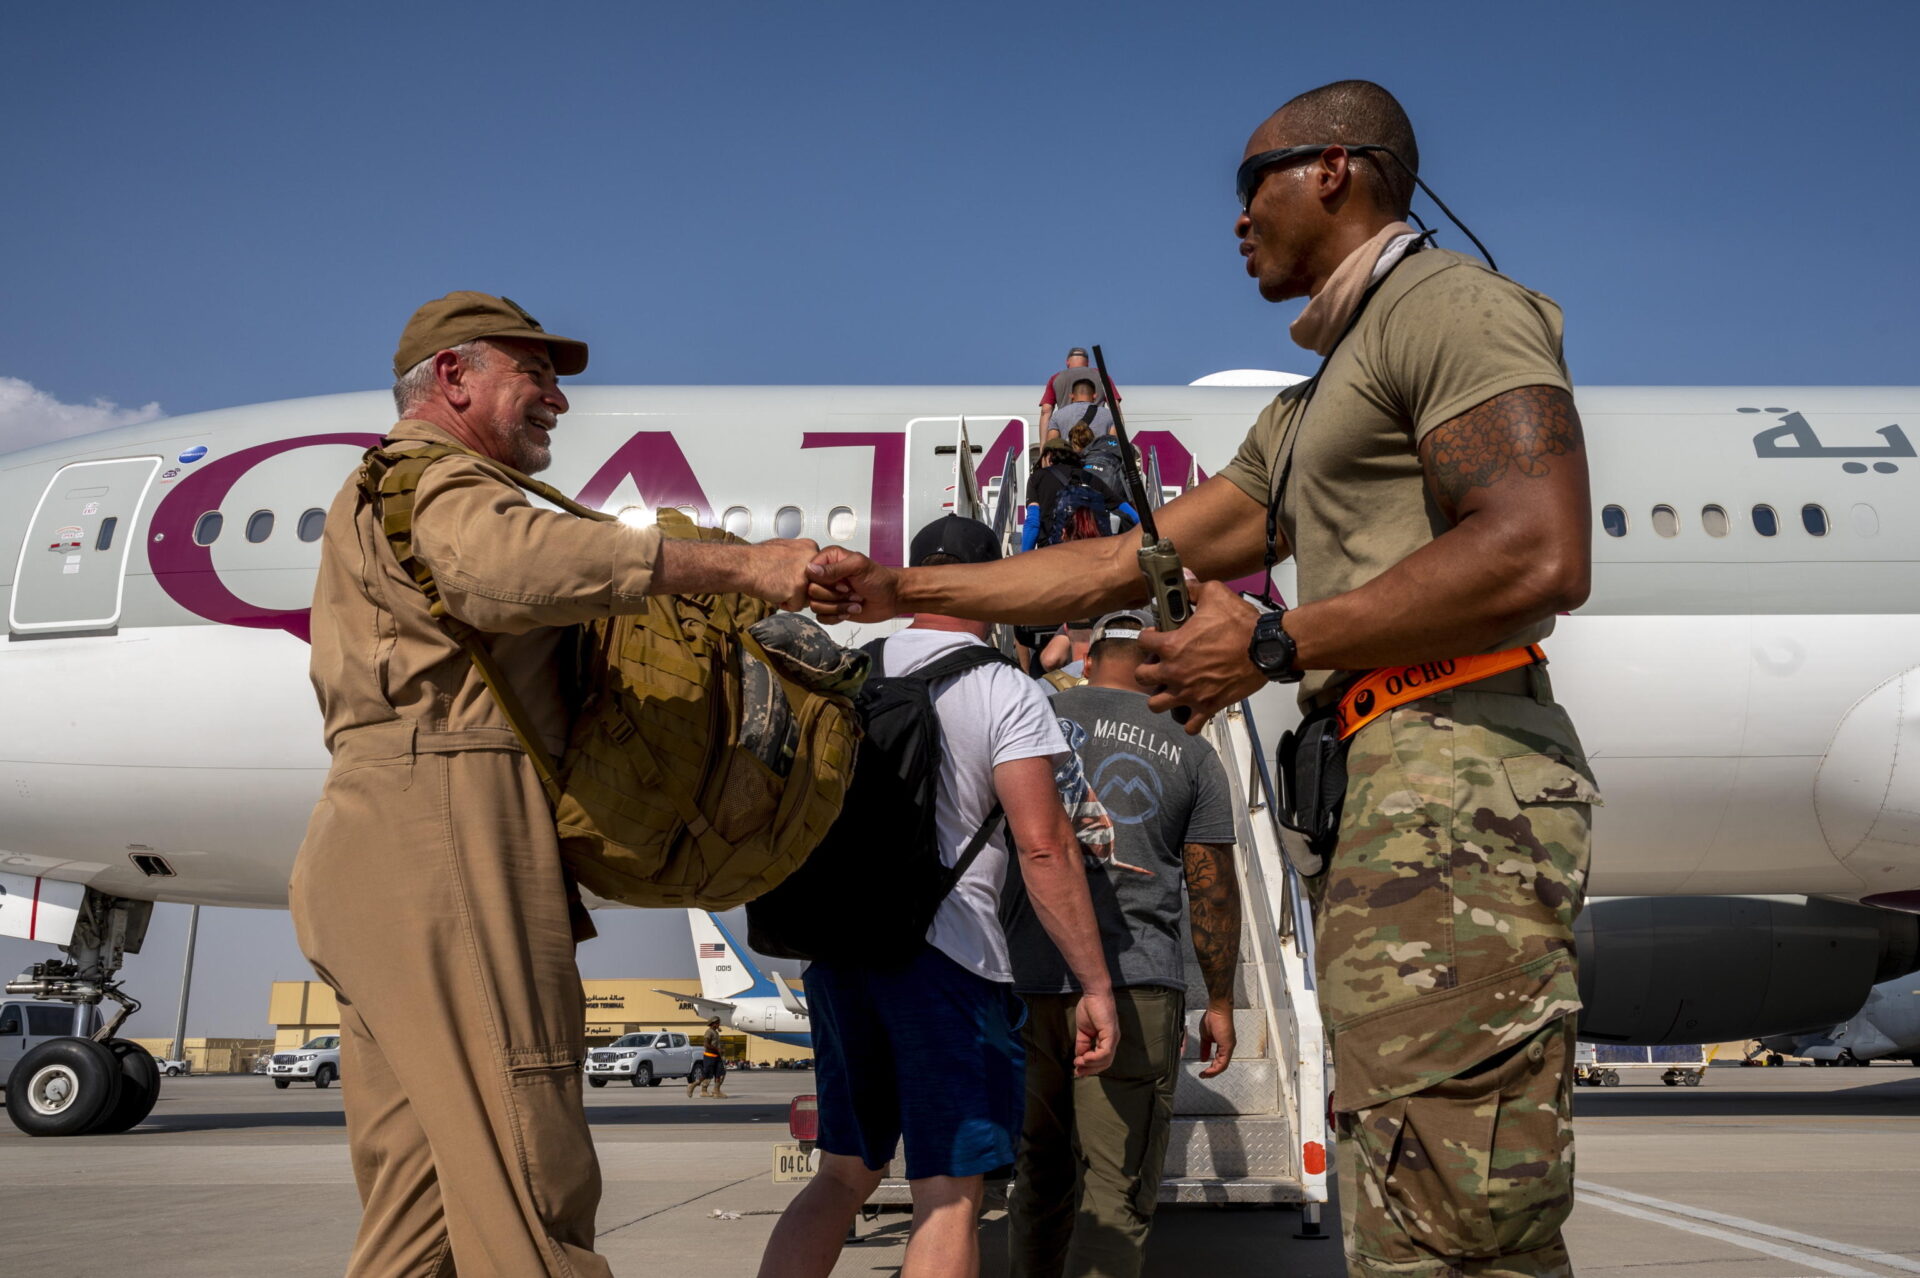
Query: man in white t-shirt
[928,1054]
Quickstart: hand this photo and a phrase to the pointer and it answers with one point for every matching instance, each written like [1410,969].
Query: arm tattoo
[1213,910]
[1514,432]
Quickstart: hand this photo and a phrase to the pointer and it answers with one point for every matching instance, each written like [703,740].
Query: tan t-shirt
[1443,335]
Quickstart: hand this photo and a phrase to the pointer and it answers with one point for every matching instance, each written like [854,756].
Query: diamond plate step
[1216,1148]
[1262,1190]
[1248,1087]
[1249,1034]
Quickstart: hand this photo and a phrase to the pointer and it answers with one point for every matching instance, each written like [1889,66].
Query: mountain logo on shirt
[1130,787]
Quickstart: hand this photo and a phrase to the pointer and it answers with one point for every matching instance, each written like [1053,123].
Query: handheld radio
[1159,561]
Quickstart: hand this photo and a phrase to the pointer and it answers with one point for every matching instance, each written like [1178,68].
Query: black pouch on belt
[1312,765]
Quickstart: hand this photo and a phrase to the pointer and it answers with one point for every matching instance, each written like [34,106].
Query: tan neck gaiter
[1327,315]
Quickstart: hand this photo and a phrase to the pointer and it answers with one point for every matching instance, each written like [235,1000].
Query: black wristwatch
[1272,648]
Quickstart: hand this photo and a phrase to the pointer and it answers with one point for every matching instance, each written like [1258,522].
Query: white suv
[642,1059]
[318,1062]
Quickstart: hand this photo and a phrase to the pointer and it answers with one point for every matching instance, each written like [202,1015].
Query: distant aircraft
[1888,1026]
[736,991]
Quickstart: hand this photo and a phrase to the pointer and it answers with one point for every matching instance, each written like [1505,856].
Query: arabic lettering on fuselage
[1795,437]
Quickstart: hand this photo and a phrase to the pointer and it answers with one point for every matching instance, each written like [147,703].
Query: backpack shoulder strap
[969,657]
[975,847]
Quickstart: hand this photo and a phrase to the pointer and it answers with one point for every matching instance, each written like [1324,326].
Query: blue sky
[225,203]
[217,204]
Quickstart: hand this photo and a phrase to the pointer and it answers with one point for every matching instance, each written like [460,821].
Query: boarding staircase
[1258,1132]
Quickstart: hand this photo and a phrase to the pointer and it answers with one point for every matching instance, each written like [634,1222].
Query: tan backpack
[713,736]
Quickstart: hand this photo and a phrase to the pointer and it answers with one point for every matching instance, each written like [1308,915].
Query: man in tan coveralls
[429,892]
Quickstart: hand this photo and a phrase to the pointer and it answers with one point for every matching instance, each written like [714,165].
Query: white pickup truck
[642,1059]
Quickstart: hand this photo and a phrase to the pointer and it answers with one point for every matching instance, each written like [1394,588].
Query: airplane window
[206,530]
[841,521]
[787,522]
[1714,520]
[1614,520]
[1666,521]
[1765,522]
[105,540]
[312,524]
[738,520]
[259,526]
[635,517]
[689,512]
[1866,520]
[1814,519]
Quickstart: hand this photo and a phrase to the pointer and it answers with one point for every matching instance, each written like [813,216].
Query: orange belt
[1393,686]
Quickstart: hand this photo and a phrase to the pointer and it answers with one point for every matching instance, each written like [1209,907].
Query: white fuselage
[1741,696]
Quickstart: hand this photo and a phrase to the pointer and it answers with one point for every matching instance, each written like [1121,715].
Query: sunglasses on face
[1254,168]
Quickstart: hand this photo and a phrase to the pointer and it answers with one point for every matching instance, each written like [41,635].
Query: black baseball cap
[967,540]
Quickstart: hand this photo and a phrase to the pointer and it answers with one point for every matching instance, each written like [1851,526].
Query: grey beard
[523,454]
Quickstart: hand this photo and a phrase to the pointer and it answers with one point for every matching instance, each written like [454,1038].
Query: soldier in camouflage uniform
[1430,485]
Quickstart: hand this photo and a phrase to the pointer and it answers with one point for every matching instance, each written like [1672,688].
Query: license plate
[791,1163]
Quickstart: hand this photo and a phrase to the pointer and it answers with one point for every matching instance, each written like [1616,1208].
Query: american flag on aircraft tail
[712,949]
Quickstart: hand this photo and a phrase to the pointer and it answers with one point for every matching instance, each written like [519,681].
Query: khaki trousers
[429,895]
[1091,1149]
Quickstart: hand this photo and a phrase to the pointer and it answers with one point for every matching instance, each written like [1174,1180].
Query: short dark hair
[1117,647]
[937,558]
[1352,112]
[1087,382]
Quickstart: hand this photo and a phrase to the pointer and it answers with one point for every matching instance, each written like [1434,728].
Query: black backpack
[870,890]
[1079,509]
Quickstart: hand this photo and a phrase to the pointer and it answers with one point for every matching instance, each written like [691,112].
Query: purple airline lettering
[993,458]
[886,544]
[669,480]
[186,572]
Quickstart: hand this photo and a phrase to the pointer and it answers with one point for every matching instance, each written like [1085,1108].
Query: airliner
[734,989]
[1744,676]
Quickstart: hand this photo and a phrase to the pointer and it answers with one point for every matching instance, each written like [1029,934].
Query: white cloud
[30,416]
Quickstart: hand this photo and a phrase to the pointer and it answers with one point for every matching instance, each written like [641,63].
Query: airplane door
[73,561]
[933,478]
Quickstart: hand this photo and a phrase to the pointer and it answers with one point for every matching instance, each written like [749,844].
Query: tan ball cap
[461,317]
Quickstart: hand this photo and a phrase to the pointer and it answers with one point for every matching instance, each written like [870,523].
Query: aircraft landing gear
[99,1085]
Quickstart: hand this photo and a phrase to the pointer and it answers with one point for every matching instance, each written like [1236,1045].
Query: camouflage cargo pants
[1446,974]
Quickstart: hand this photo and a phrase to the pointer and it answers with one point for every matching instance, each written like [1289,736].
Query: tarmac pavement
[1759,1173]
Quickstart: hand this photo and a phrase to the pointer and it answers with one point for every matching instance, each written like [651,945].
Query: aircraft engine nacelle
[1715,969]
[1867,792]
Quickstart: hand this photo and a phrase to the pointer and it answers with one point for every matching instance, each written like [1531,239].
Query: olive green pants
[1088,1177]
[429,895]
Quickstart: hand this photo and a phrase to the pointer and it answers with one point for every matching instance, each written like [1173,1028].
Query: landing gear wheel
[596,1082]
[643,1077]
[139,1089]
[63,1087]
[281,1083]
[323,1077]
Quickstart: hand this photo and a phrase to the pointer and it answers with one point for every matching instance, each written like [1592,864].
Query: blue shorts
[928,1054]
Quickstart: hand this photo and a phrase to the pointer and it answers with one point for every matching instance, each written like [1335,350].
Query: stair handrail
[1280,928]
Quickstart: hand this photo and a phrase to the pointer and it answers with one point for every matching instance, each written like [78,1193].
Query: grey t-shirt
[1163,789]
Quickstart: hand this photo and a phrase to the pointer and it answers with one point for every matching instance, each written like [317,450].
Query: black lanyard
[1299,416]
